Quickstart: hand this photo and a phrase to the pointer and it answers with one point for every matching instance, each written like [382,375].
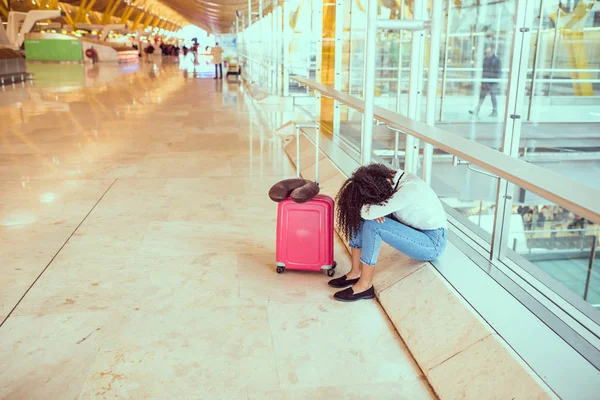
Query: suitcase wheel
[331,272]
[280,269]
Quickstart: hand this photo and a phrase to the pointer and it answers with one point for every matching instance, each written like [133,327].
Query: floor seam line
[410,352]
[57,253]
[273,343]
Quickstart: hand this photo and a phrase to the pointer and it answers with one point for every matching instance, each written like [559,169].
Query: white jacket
[414,204]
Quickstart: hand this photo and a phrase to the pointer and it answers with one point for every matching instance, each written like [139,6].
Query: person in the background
[217,55]
[489,84]
[194,51]
[527,218]
[149,50]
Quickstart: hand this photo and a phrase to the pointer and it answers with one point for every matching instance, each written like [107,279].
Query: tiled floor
[137,253]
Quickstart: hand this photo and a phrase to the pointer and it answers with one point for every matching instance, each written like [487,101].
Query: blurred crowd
[550,217]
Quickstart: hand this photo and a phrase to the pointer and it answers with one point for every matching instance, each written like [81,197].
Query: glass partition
[558,242]
[468,191]
[561,127]
[476,54]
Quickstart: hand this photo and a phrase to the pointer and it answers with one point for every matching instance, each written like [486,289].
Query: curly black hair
[368,185]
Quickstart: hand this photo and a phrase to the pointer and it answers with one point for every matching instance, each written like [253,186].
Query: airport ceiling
[120,7]
[212,15]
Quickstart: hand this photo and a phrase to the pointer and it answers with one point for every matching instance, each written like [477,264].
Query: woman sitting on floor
[379,204]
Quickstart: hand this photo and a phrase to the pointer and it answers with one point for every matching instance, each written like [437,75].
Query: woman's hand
[380,220]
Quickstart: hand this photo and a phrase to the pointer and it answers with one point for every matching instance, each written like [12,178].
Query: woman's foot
[342,282]
[349,295]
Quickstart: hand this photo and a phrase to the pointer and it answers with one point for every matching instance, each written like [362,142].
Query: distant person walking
[149,50]
[489,84]
[217,55]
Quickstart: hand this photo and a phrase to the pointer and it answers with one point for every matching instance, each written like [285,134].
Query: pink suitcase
[305,231]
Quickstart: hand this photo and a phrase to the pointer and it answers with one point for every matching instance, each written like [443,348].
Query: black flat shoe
[349,295]
[342,282]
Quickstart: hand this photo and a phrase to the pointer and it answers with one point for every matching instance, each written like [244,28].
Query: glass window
[476,53]
[468,191]
[561,119]
[558,242]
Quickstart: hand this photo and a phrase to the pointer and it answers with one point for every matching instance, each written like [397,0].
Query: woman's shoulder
[414,187]
[407,179]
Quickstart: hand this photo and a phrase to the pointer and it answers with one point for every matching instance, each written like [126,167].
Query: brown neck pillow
[300,190]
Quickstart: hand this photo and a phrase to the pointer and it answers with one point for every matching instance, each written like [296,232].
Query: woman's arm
[396,203]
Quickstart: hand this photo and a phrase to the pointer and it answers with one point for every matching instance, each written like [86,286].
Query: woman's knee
[356,243]
[356,240]
[371,225]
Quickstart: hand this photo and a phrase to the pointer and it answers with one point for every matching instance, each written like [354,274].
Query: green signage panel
[53,50]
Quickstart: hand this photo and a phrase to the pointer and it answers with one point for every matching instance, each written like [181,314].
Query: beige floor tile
[262,166]
[190,238]
[139,199]
[405,390]
[332,185]
[327,170]
[422,307]
[342,257]
[307,153]
[182,166]
[202,187]
[242,210]
[323,344]
[16,276]
[392,266]
[48,357]
[122,237]
[33,232]
[134,284]
[56,203]
[197,352]
[260,283]
[487,369]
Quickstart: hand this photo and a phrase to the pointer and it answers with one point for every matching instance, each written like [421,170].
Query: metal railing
[576,197]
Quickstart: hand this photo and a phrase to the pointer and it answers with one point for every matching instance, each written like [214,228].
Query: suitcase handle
[317,134]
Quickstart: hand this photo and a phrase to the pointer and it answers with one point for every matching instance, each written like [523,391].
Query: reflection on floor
[137,246]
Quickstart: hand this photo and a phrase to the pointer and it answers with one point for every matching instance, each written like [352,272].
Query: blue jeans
[419,245]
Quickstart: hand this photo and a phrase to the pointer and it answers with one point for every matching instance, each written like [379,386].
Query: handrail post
[432,82]
[445,58]
[366,147]
[297,151]
[590,266]
[414,89]
[512,123]
[399,78]
[536,56]
[337,68]
[286,39]
[249,13]
[278,52]
[317,35]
